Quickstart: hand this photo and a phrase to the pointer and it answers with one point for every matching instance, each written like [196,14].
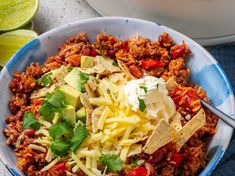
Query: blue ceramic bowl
[205,72]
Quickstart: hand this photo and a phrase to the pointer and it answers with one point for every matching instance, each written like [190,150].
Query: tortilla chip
[96,117]
[175,121]
[125,70]
[118,78]
[162,134]
[134,149]
[190,128]
[107,64]
[89,109]
[171,83]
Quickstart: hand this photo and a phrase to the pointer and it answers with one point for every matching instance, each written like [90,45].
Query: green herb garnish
[47,111]
[142,105]
[157,86]
[60,147]
[113,162]
[29,121]
[45,80]
[83,77]
[60,129]
[80,135]
[136,163]
[57,99]
[144,88]
[54,103]
[115,63]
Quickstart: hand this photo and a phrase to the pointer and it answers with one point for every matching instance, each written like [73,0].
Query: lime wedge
[10,42]
[16,13]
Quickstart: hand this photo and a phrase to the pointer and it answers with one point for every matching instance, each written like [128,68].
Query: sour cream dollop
[153,92]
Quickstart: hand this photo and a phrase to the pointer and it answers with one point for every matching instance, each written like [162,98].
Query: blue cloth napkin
[225,55]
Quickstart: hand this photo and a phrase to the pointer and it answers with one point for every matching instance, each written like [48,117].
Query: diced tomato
[139,171]
[178,159]
[94,53]
[151,63]
[190,95]
[86,51]
[37,102]
[178,52]
[60,167]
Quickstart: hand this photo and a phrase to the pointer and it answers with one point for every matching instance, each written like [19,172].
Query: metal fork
[227,119]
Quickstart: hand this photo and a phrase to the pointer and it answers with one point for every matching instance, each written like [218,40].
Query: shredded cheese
[37,147]
[50,165]
[82,166]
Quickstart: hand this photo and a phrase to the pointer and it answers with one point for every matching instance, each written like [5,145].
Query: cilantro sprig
[53,103]
[80,134]
[136,163]
[83,77]
[45,80]
[142,105]
[29,121]
[144,88]
[113,162]
[65,140]
[60,147]
[115,63]
[60,129]
[157,86]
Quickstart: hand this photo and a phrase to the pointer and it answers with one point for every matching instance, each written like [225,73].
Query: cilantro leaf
[144,88]
[47,110]
[136,163]
[83,77]
[54,103]
[114,63]
[157,85]
[60,129]
[29,121]
[60,147]
[142,105]
[48,95]
[113,162]
[80,134]
[57,99]
[45,80]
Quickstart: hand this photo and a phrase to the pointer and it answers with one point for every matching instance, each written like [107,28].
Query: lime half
[16,13]
[11,42]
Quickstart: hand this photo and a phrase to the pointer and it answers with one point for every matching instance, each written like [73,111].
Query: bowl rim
[220,150]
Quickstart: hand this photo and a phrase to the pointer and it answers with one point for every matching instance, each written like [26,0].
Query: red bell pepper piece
[151,63]
[139,171]
[60,167]
[178,159]
[178,52]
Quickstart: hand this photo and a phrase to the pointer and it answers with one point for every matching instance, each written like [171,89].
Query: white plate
[209,22]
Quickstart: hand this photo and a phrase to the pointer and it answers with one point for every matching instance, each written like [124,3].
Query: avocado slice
[69,114]
[87,62]
[77,79]
[72,78]
[81,114]
[72,95]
